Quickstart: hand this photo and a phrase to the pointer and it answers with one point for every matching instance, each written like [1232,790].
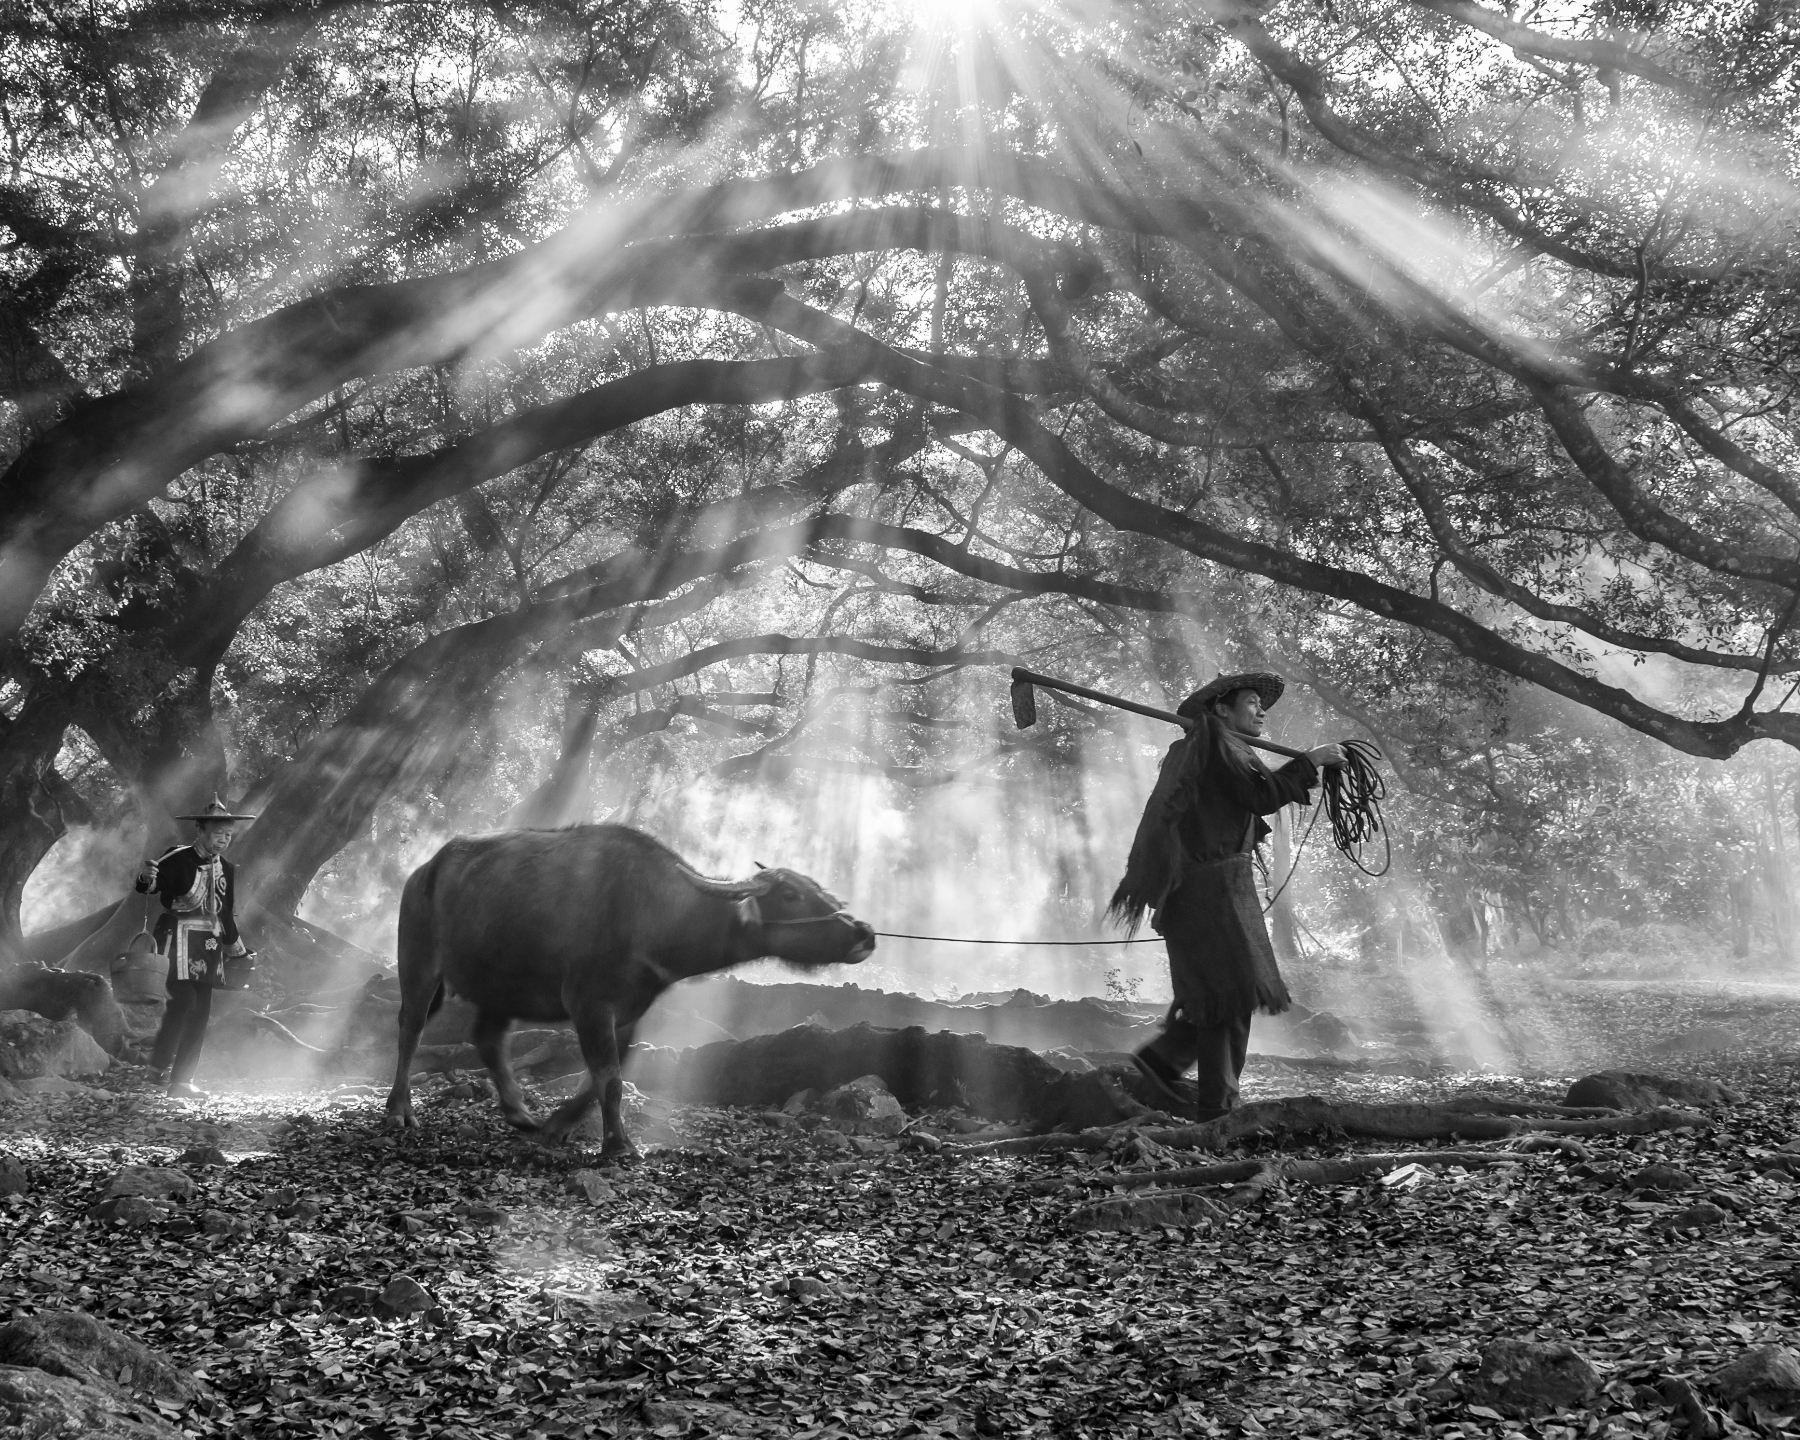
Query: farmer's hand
[146,877]
[1326,755]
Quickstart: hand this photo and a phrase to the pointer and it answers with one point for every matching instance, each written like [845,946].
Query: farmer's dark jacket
[175,877]
[1223,814]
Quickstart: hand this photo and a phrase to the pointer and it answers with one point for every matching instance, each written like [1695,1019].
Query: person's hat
[215,810]
[1265,684]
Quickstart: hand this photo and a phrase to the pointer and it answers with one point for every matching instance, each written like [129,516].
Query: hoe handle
[1118,702]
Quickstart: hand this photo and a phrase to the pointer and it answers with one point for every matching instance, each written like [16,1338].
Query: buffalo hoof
[619,1152]
[528,1123]
[401,1118]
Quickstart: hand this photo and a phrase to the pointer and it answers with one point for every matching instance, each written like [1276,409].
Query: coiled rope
[1350,795]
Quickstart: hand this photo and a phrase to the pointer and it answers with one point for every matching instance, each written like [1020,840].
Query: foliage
[397,398]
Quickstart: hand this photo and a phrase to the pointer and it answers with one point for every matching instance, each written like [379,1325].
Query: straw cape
[1154,867]
[216,809]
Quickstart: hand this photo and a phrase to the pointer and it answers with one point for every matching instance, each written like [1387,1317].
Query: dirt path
[752,1280]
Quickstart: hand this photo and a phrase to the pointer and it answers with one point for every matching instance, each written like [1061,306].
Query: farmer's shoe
[1174,1095]
[186,1090]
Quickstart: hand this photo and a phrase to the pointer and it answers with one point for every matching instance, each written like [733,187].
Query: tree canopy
[399,391]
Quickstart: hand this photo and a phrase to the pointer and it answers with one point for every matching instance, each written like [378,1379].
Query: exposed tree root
[1300,1172]
[1308,1116]
[66,995]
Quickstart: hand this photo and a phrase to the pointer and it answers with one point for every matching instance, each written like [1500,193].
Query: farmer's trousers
[1218,1050]
[183,1030]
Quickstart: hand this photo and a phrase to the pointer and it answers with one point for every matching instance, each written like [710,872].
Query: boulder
[32,1047]
[1526,1377]
[921,1070]
[1627,1090]
[1765,1375]
[1703,1216]
[155,1181]
[203,1157]
[53,1407]
[403,1295]
[592,1186]
[80,1347]
[13,1180]
[85,999]
[133,1210]
[866,1105]
[222,1222]
[1662,1177]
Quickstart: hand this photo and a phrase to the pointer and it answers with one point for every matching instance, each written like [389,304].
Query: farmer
[198,931]
[1190,866]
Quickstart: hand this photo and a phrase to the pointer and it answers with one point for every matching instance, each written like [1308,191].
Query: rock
[150,1180]
[592,1186]
[203,1157]
[921,1140]
[1789,1147]
[1529,1376]
[80,1347]
[13,1180]
[799,1102]
[222,1222]
[1327,1032]
[479,1212]
[43,1406]
[1069,1061]
[289,1204]
[1627,1090]
[866,1105]
[1148,1211]
[1767,1375]
[133,1210]
[32,1047]
[353,1299]
[73,995]
[9,1092]
[1697,1041]
[403,1295]
[1703,1216]
[1662,1177]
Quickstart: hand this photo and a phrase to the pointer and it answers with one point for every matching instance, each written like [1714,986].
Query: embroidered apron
[196,947]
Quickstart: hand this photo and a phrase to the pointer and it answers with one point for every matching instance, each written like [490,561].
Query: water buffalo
[590,924]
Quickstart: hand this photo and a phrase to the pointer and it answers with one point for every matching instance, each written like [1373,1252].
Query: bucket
[138,972]
[237,972]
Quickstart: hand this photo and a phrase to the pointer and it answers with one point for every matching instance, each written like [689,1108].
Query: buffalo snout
[864,945]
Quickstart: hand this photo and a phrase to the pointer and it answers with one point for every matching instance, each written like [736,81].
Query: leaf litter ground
[749,1279]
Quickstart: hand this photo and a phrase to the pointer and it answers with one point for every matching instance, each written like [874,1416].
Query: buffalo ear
[747,911]
[761,866]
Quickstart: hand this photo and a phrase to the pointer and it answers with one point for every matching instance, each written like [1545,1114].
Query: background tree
[411,392]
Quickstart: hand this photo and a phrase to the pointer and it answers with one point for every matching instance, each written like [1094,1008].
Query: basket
[138,975]
[236,972]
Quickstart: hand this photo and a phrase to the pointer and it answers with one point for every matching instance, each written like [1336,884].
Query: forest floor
[750,1279]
